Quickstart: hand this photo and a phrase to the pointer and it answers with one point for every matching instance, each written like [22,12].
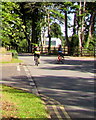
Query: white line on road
[92,74]
[34,89]
[56,112]
[25,68]
[65,113]
[32,83]
[18,68]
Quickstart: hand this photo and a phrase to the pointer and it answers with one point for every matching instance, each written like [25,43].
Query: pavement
[22,76]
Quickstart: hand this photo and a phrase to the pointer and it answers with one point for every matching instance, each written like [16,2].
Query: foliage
[55,30]
[23,22]
[92,43]
[23,46]
[14,53]
[11,25]
[75,40]
[74,44]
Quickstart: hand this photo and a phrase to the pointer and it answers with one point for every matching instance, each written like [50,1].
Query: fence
[77,52]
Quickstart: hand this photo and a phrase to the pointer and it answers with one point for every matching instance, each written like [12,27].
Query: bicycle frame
[60,59]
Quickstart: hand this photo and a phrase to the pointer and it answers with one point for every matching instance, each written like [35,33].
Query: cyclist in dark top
[60,54]
[60,51]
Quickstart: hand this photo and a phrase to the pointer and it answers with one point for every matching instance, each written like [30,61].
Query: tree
[32,14]
[25,21]
[91,8]
[25,26]
[11,25]
[65,8]
[56,30]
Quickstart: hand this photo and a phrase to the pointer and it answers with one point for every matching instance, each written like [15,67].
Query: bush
[14,53]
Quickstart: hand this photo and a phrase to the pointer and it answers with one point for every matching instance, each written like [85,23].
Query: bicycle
[60,58]
[36,60]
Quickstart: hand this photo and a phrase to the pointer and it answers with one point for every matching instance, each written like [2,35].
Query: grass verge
[14,60]
[20,104]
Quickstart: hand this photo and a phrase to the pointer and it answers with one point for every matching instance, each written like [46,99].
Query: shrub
[14,53]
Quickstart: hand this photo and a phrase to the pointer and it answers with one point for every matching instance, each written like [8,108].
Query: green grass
[14,60]
[20,104]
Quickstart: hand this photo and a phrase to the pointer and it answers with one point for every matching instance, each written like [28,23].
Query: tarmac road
[14,75]
[71,83]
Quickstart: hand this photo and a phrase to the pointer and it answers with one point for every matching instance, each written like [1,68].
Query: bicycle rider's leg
[38,58]
[34,57]
[59,57]
[62,56]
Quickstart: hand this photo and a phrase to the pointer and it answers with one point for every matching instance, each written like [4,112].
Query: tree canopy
[24,22]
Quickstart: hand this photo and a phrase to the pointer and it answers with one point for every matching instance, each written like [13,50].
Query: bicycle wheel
[36,61]
[60,59]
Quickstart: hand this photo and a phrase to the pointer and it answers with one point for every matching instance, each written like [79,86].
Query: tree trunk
[35,32]
[74,27]
[34,26]
[66,33]
[24,23]
[91,28]
[83,20]
[72,47]
[49,45]
[80,28]
[81,24]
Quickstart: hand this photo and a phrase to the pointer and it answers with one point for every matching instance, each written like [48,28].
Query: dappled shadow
[76,93]
[75,65]
[19,82]
[69,91]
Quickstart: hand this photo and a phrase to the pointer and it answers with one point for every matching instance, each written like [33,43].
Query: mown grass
[14,60]
[20,104]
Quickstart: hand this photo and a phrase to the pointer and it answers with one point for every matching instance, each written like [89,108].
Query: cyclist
[60,54]
[37,54]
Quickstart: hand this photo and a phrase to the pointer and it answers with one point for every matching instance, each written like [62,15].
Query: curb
[55,109]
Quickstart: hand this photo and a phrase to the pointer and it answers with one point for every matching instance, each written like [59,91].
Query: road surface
[71,83]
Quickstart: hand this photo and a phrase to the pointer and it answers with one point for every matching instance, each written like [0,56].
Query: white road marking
[18,68]
[65,113]
[32,83]
[31,80]
[93,74]
[25,68]
[56,112]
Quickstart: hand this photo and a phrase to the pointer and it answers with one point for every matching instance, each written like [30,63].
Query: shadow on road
[75,65]
[20,82]
[59,86]
[76,93]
